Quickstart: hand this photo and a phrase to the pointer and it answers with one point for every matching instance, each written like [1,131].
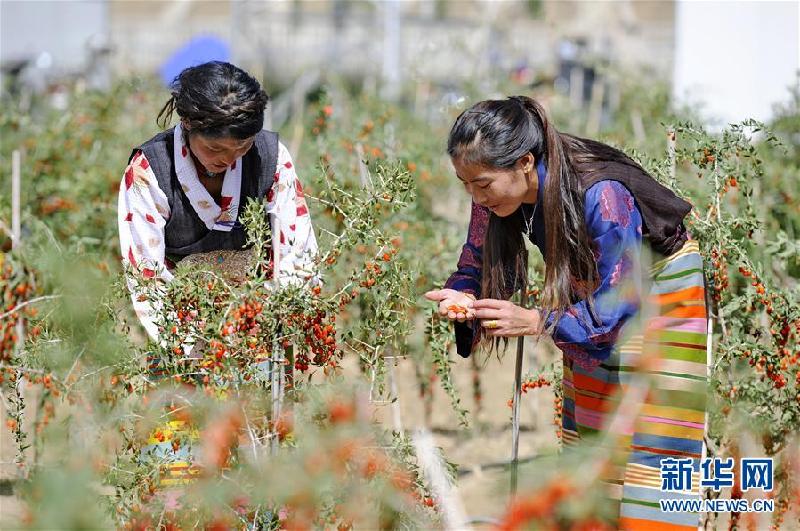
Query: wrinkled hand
[506,319]
[453,304]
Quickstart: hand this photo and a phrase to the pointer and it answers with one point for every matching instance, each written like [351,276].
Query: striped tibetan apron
[669,364]
[171,449]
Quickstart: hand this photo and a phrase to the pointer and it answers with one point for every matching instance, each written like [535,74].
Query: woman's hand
[506,319]
[453,304]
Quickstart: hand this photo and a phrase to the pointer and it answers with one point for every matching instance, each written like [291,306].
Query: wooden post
[363,169]
[16,240]
[397,420]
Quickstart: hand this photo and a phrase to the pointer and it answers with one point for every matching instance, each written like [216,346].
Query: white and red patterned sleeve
[142,213]
[286,206]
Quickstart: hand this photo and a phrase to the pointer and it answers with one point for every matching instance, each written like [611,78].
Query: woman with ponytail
[589,209]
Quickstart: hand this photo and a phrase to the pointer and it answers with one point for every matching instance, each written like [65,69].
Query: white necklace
[529,221]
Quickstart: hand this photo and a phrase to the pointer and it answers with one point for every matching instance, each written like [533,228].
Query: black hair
[216,100]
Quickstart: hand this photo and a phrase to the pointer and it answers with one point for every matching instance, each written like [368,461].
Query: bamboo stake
[397,420]
[16,235]
[363,169]
[16,231]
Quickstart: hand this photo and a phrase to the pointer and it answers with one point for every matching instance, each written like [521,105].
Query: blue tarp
[196,51]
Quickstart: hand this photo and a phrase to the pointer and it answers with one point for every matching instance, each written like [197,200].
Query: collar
[541,172]
[220,217]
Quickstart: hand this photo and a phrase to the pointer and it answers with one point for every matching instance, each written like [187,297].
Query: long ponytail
[570,267]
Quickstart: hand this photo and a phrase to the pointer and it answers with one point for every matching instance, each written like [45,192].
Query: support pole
[518,386]
[397,419]
[16,233]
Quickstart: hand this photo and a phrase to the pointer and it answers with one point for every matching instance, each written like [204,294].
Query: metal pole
[518,387]
[515,415]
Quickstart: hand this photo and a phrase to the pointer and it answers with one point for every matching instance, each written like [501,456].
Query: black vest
[662,211]
[185,233]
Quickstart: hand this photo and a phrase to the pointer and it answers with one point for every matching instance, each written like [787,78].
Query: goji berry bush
[84,393]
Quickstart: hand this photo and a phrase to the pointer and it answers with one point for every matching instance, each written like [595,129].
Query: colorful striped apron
[671,357]
[177,464]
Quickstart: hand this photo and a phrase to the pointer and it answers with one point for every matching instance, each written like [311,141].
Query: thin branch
[18,307]
[74,364]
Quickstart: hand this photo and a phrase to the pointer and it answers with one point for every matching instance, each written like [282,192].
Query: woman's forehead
[472,171]
[225,142]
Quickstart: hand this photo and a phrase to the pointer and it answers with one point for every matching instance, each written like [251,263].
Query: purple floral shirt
[615,227]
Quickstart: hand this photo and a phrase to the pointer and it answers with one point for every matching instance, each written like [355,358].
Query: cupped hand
[453,304]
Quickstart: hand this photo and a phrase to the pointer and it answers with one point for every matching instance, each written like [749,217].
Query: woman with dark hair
[184,189]
[181,197]
[588,208]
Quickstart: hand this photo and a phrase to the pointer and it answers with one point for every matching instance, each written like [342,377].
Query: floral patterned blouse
[143,210]
[614,224]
